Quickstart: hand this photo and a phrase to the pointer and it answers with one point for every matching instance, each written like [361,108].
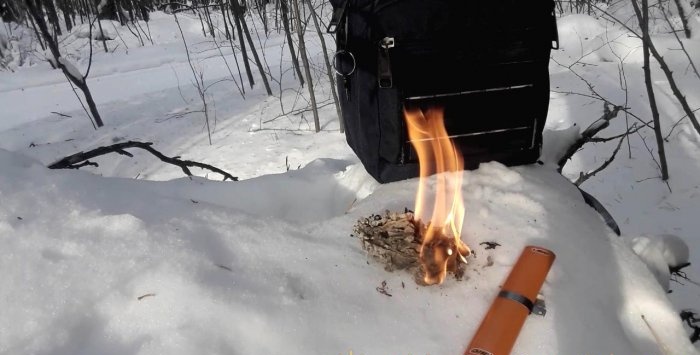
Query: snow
[108,29]
[240,273]
[4,37]
[14,46]
[661,253]
[133,258]
[558,140]
[72,70]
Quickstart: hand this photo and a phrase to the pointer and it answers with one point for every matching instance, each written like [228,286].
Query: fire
[442,248]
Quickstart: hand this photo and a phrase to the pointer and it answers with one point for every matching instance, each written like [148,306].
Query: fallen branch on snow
[588,134]
[692,320]
[81,159]
[583,177]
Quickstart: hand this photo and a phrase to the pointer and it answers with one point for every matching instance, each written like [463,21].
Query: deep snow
[253,268]
[267,264]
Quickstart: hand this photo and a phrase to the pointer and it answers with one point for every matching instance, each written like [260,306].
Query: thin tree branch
[583,177]
[680,42]
[80,159]
[586,136]
[633,129]
[677,123]
[651,153]
[662,63]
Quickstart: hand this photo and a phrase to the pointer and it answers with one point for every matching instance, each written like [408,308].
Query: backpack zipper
[385,76]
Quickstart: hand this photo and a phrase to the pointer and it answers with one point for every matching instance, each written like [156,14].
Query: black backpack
[485,62]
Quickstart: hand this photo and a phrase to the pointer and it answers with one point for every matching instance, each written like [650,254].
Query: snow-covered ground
[132,258]
[630,187]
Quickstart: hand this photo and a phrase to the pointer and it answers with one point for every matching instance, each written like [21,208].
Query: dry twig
[583,177]
[146,295]
[587,135]
[80,159]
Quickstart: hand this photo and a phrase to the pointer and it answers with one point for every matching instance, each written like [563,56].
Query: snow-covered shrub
[661,253]
[83,31]
[4,45]
[17,44]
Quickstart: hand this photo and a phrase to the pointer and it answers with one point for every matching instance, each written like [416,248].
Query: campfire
[427,237]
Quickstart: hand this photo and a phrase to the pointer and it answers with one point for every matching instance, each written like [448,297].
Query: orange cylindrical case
[500,327]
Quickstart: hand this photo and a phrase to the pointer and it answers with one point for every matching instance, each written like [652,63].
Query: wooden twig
[586,136]
[643,19]
[299,111]
[623,86]
[583,177]
[146,295]
[490,245]
[651,153]
[662,346]
[676,124]
[624,109]
[61,114]
[383,289]
[632,129]
[80,159]
[594,94]
[693,322]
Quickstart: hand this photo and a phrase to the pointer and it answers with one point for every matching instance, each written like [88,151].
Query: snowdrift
[95,265]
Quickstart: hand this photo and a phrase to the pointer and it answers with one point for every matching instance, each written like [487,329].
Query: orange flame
[442,247]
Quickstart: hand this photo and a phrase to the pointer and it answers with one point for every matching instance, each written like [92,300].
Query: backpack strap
[555,31]
[338,17]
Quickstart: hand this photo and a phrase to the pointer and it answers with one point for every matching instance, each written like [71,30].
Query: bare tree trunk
[307,70]
[99,25]
[227,14]
[80,82]
[643,17]
[684,20]
[674,88]
[39,36]
[119,12]
[329,67]
[102,34]
[662,63]
[288,33]
[53,16]
[246,63]
[262,12]
[82,85]
[277,17]
[65,7]
[207,16]
[223,14]
[241,17]
[680,43]
[204,31]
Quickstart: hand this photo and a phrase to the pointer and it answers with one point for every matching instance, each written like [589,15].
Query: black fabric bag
[485,62]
